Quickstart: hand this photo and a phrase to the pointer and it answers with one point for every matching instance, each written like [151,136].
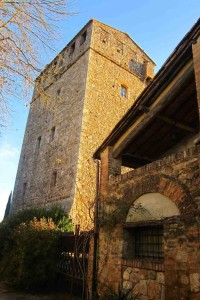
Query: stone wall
[103,107]
[148,283]
[57,102]
[177,276]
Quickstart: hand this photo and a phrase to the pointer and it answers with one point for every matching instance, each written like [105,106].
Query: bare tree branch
[27,28]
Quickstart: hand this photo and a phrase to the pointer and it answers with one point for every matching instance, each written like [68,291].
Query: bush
[10,223]
[30,247]
[56,213]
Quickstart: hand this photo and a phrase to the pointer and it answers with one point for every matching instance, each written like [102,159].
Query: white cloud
[9,157]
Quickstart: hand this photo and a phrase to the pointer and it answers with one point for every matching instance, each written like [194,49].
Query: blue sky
[157,26]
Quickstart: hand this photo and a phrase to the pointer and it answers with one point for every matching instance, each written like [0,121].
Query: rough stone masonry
[78,99]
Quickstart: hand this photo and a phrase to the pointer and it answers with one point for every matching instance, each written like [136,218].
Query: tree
[7,210]
[27,28]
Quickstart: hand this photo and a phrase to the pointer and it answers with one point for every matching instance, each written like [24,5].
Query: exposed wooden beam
[169,120]
[171,92]
[136,156]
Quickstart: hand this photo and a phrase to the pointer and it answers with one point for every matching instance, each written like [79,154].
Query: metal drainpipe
[94,277]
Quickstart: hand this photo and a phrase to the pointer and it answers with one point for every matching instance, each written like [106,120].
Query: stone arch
[165,185]
[152,206]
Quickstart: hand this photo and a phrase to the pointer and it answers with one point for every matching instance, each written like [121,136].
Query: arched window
[143,230]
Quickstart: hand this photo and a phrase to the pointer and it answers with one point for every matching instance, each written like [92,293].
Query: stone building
[77,100]
[149,239]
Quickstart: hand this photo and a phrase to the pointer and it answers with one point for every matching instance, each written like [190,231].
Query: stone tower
[78,99]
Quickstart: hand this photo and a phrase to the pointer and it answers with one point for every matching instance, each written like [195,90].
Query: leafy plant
[123,294]
[31,263]
[30,246]
[115,210]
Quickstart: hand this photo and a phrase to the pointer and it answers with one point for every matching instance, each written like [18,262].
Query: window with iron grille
[143,242]
[148,242]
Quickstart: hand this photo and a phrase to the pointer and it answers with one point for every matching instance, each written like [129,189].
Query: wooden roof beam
[169,120]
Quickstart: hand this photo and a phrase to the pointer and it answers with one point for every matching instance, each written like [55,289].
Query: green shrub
[9,224]
[56,213]
[31,264]
[30,247]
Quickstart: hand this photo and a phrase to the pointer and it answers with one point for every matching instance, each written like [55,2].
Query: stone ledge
[144,264]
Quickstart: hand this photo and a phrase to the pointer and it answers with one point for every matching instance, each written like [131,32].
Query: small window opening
[123,91]
[132,65]
[54,179]
[52,135]
[38,143]
[148,80]
[72,48]
[61,59]
[83,37]
[24,188]
[144,243]
[58,92]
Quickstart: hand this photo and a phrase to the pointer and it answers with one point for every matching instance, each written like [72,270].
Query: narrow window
[24,188]
[58,92]
[54,179]
[72,48]
[61,59]
[52,134]
[123,91]
[38,144]
[132,65]
[83,37]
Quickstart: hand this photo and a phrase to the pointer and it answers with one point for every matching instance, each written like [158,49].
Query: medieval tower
[78,99]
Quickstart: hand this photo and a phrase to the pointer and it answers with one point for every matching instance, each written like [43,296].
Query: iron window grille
[148,242]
